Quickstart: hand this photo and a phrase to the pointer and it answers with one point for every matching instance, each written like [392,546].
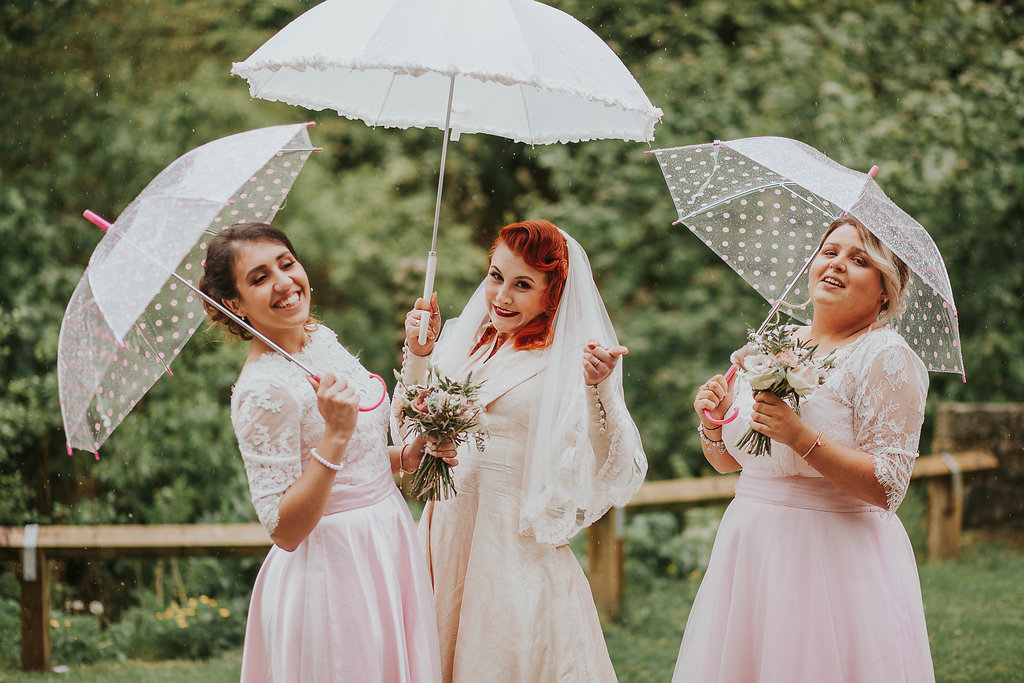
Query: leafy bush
[197,628]
[660,544]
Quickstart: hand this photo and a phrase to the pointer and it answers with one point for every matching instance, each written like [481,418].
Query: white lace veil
[569,482]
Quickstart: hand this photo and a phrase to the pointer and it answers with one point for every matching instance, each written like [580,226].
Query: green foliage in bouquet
[445,410]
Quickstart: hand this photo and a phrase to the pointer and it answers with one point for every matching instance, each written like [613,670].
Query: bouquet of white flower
[778,362]
[447,411]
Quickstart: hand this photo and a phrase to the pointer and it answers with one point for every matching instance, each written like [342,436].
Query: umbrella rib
[785,184]
[384,101]
[152,348]
[526,112]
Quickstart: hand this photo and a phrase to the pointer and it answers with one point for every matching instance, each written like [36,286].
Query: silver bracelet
[324,461]
[710,444]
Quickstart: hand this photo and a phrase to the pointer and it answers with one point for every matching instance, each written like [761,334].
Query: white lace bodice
[276,420]
[872,400]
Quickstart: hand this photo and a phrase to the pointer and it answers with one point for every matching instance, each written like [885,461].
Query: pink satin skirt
[806,583]
[351,603]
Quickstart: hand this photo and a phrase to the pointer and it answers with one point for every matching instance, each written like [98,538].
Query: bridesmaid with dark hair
[342,595]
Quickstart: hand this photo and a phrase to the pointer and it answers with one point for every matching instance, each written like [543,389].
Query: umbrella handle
[733,413]
[428,288]
[383,393]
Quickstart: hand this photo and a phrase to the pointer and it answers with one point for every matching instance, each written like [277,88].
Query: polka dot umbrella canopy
[133,310]
[763,203]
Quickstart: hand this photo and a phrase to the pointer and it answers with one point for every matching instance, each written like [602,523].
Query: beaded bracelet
[709,444]
[323,461]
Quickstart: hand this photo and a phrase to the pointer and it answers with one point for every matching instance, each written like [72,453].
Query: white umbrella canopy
[521,70]
[518,69]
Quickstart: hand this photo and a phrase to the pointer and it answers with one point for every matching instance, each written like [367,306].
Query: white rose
[803,379]
[739,356]
[761,371]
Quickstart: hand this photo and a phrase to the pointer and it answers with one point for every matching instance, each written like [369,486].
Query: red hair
[542,246]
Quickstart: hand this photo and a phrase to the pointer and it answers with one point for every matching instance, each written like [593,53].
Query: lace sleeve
[267,423]
[414,371]
[620,470]
[888,413]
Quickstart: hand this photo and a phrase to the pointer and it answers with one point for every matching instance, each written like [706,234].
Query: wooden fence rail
[32,546]
[606,546]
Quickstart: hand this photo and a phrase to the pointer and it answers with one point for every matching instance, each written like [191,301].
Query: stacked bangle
[710,444]
[324,461]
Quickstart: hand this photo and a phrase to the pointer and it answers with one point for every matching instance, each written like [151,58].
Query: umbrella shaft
[782,299]
[444,156]
[252,330]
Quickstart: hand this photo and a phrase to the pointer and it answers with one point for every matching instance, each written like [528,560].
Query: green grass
[224,668]
[973,607]
[975,613]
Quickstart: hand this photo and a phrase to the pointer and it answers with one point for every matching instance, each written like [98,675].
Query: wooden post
[35,613]
[606,560]
[945,513]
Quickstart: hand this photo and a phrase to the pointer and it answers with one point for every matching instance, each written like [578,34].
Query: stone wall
[992,498]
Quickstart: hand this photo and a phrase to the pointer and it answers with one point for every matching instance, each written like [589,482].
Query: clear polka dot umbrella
[763,203]
[134,310]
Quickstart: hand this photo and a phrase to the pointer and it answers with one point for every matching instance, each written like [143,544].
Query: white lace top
[872,400]
[276,420]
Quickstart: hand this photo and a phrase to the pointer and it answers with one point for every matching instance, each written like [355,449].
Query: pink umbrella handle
[383,393]
[732,414]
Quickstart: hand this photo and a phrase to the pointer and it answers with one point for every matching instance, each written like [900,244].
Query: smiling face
[843,279]
[273,289]
[514,291]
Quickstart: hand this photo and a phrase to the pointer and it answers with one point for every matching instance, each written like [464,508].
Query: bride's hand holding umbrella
[413,323]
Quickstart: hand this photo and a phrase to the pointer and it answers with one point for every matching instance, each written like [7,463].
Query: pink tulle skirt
[351,603]
[807,584]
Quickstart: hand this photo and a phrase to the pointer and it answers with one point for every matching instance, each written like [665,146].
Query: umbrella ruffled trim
[650,114]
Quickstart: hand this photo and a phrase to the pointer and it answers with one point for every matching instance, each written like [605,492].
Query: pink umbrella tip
[310,124]
[318,149]
[97,220]
[873,171]
[68,445]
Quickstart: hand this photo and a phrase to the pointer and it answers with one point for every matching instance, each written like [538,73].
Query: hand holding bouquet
[776,361]
[445,410]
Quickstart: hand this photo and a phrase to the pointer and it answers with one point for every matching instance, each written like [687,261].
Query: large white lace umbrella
[137,305]
[514,68]
[763,203]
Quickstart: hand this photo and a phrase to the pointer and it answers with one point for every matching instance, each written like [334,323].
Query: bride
[511,600]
